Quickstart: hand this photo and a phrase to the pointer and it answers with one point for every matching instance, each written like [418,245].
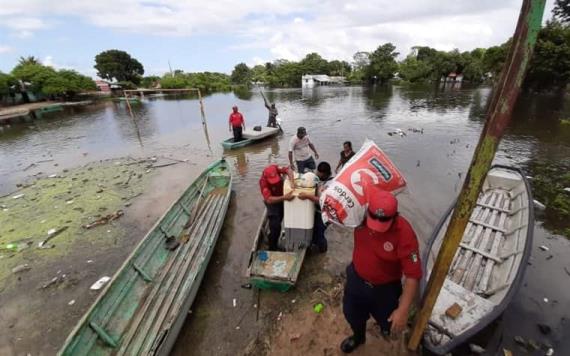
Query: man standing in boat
[299,146]
[237,124]
[385,249]
[272,120]
[271,186]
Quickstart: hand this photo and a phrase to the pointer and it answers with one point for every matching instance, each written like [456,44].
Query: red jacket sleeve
[408,252]
[283,170]
[264,188]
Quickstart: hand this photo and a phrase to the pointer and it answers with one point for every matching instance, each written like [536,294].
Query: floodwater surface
[441,126]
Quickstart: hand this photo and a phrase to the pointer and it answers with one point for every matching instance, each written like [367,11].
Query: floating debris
[21,268]
[544,329]
[104,220]
[100,283]
[71,302]
[51,234]
[476,349]
[539,205]
[18,196]
[318,308]
[234,302]
[544,248]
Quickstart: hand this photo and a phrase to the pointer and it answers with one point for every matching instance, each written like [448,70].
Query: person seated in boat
[271,186]
[237,124]
[299,146]
[385,249]
[345,155]
[324,173]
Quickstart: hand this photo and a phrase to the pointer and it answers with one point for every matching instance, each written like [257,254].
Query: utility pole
[498,116]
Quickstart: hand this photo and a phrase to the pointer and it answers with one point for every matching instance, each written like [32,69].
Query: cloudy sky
[198,35]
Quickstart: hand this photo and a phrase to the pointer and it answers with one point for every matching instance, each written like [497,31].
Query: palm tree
[28,60]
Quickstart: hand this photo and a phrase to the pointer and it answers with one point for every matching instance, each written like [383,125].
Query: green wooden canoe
[272,269]
[229,144]
[143,308]
[130,99]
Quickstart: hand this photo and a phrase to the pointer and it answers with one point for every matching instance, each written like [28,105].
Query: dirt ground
[290,324]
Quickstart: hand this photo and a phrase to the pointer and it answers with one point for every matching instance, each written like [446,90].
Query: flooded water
[434,163]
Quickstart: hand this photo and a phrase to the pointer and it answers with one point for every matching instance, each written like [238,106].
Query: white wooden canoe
[258,135]
[489,265]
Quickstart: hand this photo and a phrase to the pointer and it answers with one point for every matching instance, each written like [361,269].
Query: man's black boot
[351,343]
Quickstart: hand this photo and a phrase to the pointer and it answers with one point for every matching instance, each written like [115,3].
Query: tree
[413,70]
[35,74]
[6,81]
[150,81]
[118,65]
[259,73]
[360,60]
[549,67]
[28,60]
[339,68]
[382,63]
[241,74]
[562,10]
[313,63]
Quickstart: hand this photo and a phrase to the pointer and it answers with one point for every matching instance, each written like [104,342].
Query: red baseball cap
[271,174]
[382,208]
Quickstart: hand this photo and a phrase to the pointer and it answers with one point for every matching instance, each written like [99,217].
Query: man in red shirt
[237,124]
[385,249]
[271,186]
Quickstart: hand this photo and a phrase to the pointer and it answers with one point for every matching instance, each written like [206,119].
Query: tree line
[30,75]
[549,68]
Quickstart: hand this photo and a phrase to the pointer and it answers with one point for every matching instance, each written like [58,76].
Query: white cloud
[291,29]
[6,49]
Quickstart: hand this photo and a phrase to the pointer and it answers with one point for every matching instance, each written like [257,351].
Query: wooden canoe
[489,266]
[272,269]
[143,308]
[251,136]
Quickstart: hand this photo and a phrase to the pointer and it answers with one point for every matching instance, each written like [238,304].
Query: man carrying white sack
[385,249]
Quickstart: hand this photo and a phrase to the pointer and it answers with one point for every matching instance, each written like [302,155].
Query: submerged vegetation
[551,186]
[65,202]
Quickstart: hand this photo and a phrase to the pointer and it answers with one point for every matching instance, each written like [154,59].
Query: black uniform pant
[237,133]
[275,214]
[362,300]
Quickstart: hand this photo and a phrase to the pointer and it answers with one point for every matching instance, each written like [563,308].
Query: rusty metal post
[497,118]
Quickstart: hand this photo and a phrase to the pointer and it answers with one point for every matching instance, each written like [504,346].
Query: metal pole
[498,116]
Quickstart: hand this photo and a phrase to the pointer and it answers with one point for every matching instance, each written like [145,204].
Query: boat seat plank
[491,207]
[490,226]
[497,259]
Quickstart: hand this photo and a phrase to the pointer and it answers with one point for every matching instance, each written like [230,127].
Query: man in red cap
[271,185]
[237,124]
[385,249]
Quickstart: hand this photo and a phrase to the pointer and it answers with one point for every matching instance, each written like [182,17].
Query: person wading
[385,248]
[237,124]
[271,186]
[299,146]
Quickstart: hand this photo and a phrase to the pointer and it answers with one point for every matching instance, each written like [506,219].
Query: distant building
[312,80]
[453,78]
[103,86]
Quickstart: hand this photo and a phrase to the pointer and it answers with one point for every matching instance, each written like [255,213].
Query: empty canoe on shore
[251,136]
[272,269]
[142,309]
[489,266]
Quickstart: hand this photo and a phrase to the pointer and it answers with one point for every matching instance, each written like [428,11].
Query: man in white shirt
[299,147]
